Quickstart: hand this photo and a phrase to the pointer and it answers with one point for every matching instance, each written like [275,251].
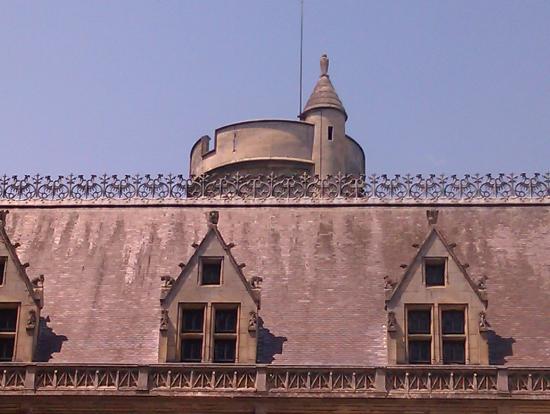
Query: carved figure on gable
[213,217]
[482,283]
[38,281]
[389,284]
[483,324]
[432,215]
[31,320]
[167,282]
[164,320]
[392,322]
[256,282]
[253,322]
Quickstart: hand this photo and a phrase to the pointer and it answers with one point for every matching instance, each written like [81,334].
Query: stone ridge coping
[452,381]
[273,202]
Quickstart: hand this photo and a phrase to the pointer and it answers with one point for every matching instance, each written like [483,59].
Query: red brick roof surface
[322,269]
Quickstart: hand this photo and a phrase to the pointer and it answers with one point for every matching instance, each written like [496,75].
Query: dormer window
[8,328]
[210,312]
[211,271]
[434,271]
[436,312]
[3,261]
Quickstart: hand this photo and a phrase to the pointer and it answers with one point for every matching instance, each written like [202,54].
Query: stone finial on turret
[324,65]
[324,95]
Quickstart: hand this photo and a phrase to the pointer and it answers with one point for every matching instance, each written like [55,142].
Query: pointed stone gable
[228,290]
[212,245]
[22,285]
[20,297]
[458,278]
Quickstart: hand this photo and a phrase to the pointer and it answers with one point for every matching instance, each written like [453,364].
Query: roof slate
[322,269]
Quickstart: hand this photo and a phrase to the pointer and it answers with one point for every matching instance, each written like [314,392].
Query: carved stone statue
[256,282]
[432,215]
[388,283]
[483,324]
[213,217]
[253,322]
[31,320]
[164,320]
[392,322]
[38,282]
[482,283]
[167,282]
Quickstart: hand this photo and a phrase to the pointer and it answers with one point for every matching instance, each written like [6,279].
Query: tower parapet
[316,144]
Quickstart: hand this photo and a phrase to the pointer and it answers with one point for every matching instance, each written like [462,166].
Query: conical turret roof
[324,95]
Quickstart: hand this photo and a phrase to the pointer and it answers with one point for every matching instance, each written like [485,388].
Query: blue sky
[127,86]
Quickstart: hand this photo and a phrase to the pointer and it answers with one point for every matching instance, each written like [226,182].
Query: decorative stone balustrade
[389,382]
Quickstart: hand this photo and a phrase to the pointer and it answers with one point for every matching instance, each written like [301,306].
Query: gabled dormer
[20,303]
[209,313]
[436,312]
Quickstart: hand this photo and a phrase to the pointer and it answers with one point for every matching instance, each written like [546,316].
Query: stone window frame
[456,337]
[210,259]
[426,260]
[214,335]
[14,334]
[419,307]
[436,329]
[208,334]
[191,335]
[3,268]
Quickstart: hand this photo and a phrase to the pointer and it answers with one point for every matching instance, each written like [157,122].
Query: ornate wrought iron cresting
[237,186]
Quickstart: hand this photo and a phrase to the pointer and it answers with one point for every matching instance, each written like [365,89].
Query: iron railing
[237,186]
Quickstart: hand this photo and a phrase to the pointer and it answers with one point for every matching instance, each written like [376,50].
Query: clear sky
[127,86]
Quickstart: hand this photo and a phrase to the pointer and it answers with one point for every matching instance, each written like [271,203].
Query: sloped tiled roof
[322,267]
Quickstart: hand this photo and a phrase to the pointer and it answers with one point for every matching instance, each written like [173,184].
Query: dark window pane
[330,131]
[6,348]
[435,273]
[226,321]
[454,352]
[8,320]
[191,350]
[420,352]
[419,322]
[224,350]
[453,322]
[3,261]
[192,320]
[211,272]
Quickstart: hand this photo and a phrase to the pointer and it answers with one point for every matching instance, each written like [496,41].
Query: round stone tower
[316,144]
